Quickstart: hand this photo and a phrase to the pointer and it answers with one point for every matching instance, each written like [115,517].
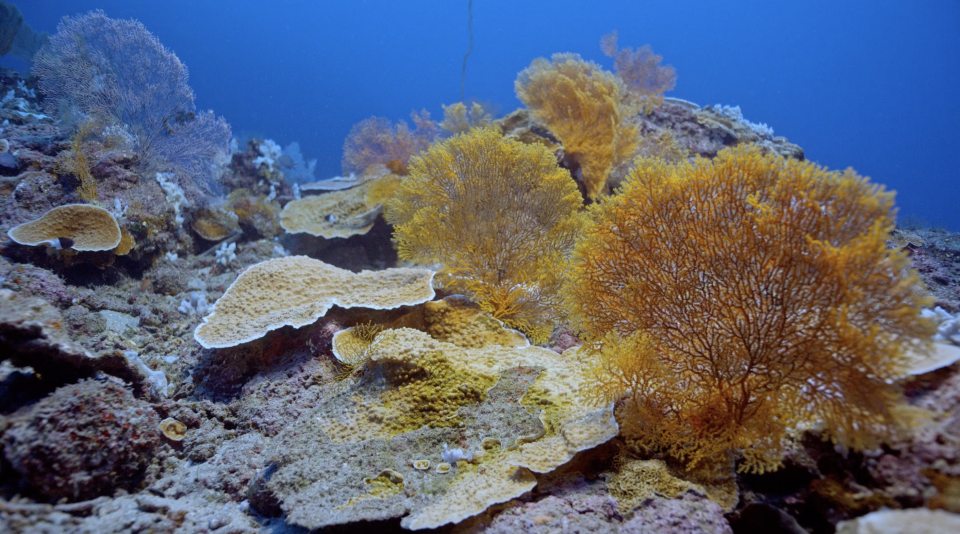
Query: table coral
[342,213]
[85,440]
[742,296]
[497,215]
[86,227]
[296,291]
[587,108]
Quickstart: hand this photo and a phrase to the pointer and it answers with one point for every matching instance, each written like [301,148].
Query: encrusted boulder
[85,440]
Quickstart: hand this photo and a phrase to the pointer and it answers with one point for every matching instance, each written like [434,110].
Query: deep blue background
[870,84]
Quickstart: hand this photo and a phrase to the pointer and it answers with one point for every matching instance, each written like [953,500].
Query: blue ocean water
[871,85]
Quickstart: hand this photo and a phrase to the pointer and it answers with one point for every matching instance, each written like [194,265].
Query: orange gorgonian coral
[498,216]
[731,300]
[587,108]
[376,140]
[457,119]
[640,69]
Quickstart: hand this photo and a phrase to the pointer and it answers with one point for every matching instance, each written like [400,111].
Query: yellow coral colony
[498,216]
[587,108]
[89,228]
[733,299]
[297,290]
[417,381]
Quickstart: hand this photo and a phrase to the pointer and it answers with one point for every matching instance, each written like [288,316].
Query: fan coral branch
[457,120]
[763,295]
[498,215]
[115,71]
[375,140]
[587,108]
[640,69]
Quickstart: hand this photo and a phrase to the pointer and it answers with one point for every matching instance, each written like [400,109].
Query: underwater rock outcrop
[85,440]
[32,335]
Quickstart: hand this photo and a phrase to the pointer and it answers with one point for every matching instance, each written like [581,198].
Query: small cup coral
[730,300]
[497,215]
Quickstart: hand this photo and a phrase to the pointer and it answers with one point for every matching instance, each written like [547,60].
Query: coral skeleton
[175,196]
[453,456]
[225,254]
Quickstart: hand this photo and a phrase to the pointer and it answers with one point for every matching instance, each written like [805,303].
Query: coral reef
[690,281]
[587,108]
[496,215]
[387,409]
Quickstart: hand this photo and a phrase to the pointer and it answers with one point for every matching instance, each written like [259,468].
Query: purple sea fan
[117,72]
[641,71]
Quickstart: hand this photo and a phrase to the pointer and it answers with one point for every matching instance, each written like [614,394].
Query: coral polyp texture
[587,107]
[512,411]
[376,140]
[497,215]
[641,71]
[78,226]
[297,290]
[730,300]
[457,120]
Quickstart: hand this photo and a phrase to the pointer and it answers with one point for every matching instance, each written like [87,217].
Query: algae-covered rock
[84,440]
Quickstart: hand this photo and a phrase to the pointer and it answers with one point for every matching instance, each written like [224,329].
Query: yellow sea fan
[749,293]
[498,216]
[587,108]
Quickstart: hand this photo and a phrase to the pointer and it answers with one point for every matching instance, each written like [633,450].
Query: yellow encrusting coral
[350,348]
[730,300]
[638,480]
[498,216]
[587,108]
